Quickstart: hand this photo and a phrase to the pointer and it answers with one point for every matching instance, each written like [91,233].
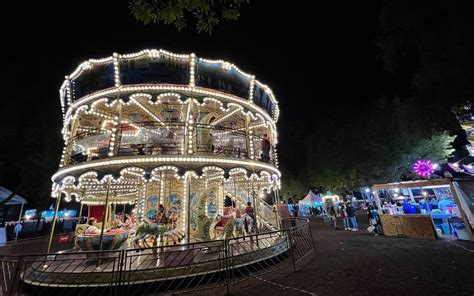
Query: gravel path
[358,263]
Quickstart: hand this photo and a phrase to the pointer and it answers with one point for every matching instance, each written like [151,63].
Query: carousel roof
[152,67]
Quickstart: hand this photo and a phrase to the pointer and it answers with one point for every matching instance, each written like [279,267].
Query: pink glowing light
[423,168]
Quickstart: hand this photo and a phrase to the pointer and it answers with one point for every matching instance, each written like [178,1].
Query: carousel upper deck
[155,109]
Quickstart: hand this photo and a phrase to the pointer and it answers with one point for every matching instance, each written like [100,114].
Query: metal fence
[175,268]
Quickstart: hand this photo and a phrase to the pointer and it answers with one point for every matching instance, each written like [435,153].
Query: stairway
[265,215]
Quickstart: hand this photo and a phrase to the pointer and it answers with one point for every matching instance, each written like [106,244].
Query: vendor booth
[310,200]
[427,209]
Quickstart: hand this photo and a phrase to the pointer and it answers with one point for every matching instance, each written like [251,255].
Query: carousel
[165,149]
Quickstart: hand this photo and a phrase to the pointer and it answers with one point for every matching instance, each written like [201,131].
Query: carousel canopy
[16,200]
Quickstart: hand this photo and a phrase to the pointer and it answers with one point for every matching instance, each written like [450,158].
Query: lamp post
[55,217]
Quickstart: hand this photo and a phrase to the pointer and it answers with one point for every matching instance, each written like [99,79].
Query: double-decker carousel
[165,149]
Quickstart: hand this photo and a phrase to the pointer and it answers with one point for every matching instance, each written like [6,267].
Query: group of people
[118,223]
[315,211]
[346,212]
[409,206]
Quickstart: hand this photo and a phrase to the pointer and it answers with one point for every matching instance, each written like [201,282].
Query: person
[161,215]
[129,223]
[370,215]
[227,201]
[317,211]
[91,228]
[425,207]
[345,219]
[374,219]
[249,210]
[118,223]
[351,214]
[296,210]
[17,229]
[249,224]
[331,211]
[434,203]
[445,203]
[265,147]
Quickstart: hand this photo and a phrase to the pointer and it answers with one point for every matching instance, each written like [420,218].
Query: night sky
[321,62]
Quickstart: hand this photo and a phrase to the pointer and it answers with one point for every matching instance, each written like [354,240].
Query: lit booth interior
[429,209]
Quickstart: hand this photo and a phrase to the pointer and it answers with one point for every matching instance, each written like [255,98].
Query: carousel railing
[176,268]
[207,140]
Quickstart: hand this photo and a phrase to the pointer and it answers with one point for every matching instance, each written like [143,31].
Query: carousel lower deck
[89,269]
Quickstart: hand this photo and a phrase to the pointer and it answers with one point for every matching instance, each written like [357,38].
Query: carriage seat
[220,225]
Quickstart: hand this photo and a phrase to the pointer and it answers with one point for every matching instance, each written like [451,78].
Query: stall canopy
[312,198]
[16,200]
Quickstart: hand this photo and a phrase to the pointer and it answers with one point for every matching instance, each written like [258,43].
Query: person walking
[351,214]
[331,211]
[250,212]
[18,228]
[345,219]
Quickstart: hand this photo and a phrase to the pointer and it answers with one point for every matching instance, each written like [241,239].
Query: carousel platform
[163,263]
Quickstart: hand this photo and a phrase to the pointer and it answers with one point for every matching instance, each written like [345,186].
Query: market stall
[427,209]
[310,200]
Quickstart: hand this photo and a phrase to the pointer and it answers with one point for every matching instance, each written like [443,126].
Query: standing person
[374,219]
[345,219]
[18,228]
[265,147]
[331,211]
[249,225]
[352,216]
[249,210]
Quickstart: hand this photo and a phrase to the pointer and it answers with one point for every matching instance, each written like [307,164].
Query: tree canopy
[431,44]
[205,14]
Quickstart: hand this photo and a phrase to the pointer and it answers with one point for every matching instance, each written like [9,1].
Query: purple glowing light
[423,168]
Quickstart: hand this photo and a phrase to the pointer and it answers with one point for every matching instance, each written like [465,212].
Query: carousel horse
[223,227]
[229,227]
[147,234]
[173,236]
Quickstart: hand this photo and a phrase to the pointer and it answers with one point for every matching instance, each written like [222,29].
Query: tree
[206,14]
[432,41]
[382,148]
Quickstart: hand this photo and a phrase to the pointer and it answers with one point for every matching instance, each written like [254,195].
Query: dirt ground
[355,263]
[358,263]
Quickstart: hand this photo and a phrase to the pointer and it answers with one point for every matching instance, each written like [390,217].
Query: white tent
[311,198]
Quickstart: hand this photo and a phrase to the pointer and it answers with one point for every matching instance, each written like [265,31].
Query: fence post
[292,252]
[15,278]
[311,234]
[227,266]
[120,287]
